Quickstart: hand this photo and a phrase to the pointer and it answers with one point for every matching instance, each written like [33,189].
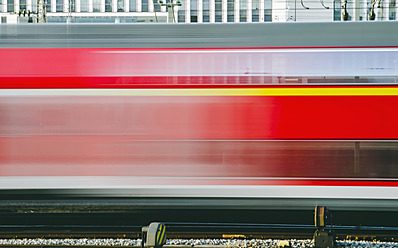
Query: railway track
[198,231]
[182,243]
[38,227]
[201,235]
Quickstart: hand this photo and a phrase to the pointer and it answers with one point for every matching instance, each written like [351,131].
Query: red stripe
[277,182]
[119,82]
[207,48]
[153,82]
[209,117]
[95,68]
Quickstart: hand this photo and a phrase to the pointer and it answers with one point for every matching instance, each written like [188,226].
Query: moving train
[270,115]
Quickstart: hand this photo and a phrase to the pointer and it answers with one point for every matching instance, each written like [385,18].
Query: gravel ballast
[273,243]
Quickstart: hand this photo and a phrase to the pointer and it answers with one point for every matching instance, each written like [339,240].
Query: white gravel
[239,242]
[221,243]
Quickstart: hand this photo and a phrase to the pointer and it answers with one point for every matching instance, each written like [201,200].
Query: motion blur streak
[196,114]
[199,135]
[101,67]
[199,116]
[215,91]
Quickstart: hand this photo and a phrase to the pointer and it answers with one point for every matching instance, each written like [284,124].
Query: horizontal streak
[39,181]
[260,50]
[119,187]
[126,137]
[299,91]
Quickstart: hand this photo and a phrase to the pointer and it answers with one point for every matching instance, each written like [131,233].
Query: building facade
[195,11]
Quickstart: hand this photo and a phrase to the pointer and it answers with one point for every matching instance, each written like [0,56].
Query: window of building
[337,10]
[230,17]
[181,12]
[72,5]
[108,5]
[132,5]
[206,5]
[230,13]
[268,15]
[156,6]
[243,11]
[218,17]
[194,15]
[392,10]
[10,6]
[267,10]
[242,17]
[22,5]
[48,5]
[194,10]
[181,15]
[218,10]
[84,5]
[34,6]
[206,16]
[255,15]
[96,5]
[144,7]
[120,5]
[59,5]
[255,10]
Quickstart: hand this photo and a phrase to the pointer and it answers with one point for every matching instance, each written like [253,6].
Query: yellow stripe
[158,234]
[164,238]
[324,91]
[163,232]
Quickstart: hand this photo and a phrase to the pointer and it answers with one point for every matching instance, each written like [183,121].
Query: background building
[196,11]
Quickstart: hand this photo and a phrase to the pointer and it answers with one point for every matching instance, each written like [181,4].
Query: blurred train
[270,115]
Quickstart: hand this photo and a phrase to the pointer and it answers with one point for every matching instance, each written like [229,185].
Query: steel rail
[195,230]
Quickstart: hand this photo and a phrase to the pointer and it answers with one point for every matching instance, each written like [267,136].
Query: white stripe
[131,179]
[182,92]
[363,142]
[268,50]
[125,186]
